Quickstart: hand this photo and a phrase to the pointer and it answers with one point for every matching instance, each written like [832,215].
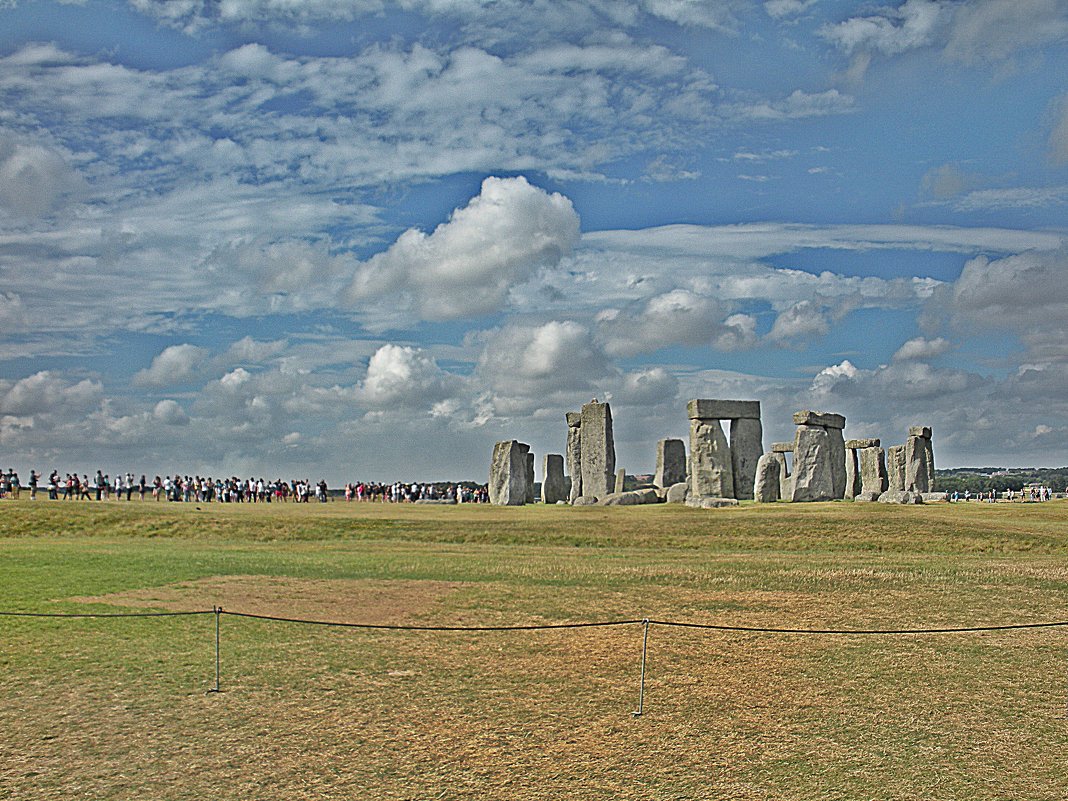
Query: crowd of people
[1031,493]
[184,488]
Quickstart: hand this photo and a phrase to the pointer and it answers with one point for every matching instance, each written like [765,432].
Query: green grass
[117,709]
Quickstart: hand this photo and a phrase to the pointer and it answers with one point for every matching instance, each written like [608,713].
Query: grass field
[119,708]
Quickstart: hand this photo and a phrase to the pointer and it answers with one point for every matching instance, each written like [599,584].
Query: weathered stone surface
[437,501]
[619,499]
[825,419]
[920,431]
[901,497]
[929,456]
[852,473]
[584,500]
[895,468]
[838,466]
[711,472]
[873,470]
[705,409]
[786,481]
[598,450]
[766,487]
[935,497]
[530,478]
[747,446]
[864,496]
[917,479]
[857,444]
[621,479]
[782,447]
[509,481]
[670,462]
[678,493]
[710,503]
[649,494]
[553,488]
[573,453]
[813,478]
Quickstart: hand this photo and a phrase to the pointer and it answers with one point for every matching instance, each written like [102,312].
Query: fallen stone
[670,462]
[901,497]
[436,501]
[619,499]
[678,493]
[710,503]
[585,500]
[825,419]
[766,486]
[705,409]
[865,496]
[935,497]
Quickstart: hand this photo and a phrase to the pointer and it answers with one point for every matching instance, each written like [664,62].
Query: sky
[352,239]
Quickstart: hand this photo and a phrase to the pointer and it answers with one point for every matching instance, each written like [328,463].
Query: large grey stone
[917,479]
[858,444]
[705,409]
[920,431]
[573,453]
[766,487]
[710,503]
[711,472]
[813,478]
[935,497]
[852,473]
[619,499]
[553,488]
[598,450]
[786,481]
[670,462]
[873,470]
[825,419]
[930,465]
[584,500]
[901,497]
[864,496]
[677,493]
[620,480]
[508,480]
[782,447]
[895,468]
[838,467]
[747,446]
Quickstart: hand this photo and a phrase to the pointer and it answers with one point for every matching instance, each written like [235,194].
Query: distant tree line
[981,479]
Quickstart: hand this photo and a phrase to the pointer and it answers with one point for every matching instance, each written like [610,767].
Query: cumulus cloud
[467,266]
[402,376]
[176,364]
[47,393]
[921,348]
[170,412]
[1022,292]
[794,326]
[34,180]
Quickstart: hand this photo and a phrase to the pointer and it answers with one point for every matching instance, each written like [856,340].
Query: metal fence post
[641,687]
[218,613]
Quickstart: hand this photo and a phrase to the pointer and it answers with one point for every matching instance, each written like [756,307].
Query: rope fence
[646,624]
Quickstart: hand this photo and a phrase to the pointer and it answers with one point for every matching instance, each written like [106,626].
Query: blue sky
[358,239]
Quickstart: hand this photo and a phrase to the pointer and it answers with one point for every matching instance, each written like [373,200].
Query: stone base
[935,497]
[867,497]
[585,500]
[437,501]
[678,493]
[706,502]
[631,498]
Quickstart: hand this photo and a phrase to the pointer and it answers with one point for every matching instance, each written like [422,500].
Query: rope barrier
[843,632]
[389,627]
[106,614]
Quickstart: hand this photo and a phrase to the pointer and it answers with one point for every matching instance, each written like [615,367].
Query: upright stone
[598,450]
[621,479]
[747,446]
[766,486]
[670,462]
[838,465]
[786,486]
[852,471]
[711,473]
[530,477]
[573,453]
[873,470]
[895,468]
[813,455]
[508,478]
[919,460]
[553,486]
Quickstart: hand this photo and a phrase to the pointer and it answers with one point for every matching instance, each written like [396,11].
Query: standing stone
[598,450]
[670,462]
[766,485]
[711,473]
[786,486]
[508,480]
[747,446]
[553,488]
[873,470]
[530,478]
[895,468]
[852,470]
[813,455]
[573,453]
[919,460]
[838,466]
[621,478]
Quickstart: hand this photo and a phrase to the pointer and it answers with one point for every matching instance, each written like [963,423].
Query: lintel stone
[705,409]
[782,447]
[920,431]
[574,419]
[825,419]
[858,444]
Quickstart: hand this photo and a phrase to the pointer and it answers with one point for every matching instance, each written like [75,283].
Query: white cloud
[46,393]
[34,180]
[1023,292]
[403,376]
[797,105]
[170,412]
[468,265]
[678,317]
[801,322]
[176,364]
[912,25]
[920,348]
[779,9]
